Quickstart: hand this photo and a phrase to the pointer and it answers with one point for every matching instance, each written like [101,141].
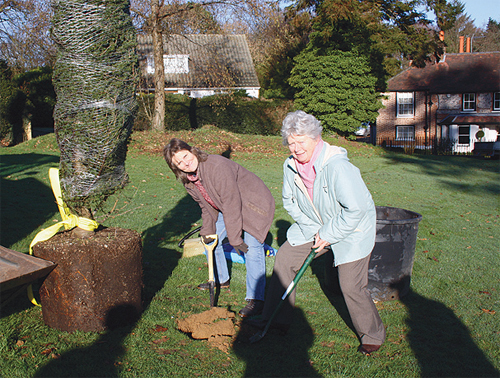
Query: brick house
[451,99]
[201,64]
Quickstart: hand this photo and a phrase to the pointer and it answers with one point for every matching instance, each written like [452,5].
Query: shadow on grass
[102,357]
[159,261]
[26,203]
[279,355]
[441,342]
[451,168]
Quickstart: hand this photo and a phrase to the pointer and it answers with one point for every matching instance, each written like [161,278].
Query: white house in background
[453,98]
[201,64]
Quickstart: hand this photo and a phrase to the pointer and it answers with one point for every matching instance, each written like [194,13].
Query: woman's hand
[241,249]
[207,239]
[319,243]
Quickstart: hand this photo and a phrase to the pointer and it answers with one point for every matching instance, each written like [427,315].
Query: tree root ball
[97,283]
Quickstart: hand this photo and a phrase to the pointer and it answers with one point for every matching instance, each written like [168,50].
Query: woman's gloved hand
[241,248]
[207,239]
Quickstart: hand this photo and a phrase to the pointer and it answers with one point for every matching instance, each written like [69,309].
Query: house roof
[215,61]
[483,119]
[455,73]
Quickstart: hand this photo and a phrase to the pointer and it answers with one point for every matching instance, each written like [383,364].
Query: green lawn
[447,326]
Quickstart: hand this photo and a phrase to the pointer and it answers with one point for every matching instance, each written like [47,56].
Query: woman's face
[302,147]
[185,161]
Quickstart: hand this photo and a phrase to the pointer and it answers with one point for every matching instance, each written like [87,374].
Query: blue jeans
[255,261]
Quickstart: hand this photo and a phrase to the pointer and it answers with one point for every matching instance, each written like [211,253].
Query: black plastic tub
[391,262]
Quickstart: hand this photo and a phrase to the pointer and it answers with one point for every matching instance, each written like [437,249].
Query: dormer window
[176,63]
[172,64]
[469,102]
[405,104]
[496,101]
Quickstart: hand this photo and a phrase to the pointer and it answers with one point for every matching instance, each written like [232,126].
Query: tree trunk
[159,74]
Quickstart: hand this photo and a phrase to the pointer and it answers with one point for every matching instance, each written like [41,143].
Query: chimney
[461,44]
[467,47]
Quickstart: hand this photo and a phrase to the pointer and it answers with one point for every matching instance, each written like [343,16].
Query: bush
[41,97]
[232,112]
[12,101]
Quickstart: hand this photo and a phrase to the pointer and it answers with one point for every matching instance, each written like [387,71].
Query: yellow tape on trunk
[69,221]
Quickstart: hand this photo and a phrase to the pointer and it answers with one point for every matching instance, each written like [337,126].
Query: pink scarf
[306,170]
[193,177]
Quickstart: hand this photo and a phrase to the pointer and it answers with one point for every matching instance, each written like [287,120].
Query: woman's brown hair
[175,145]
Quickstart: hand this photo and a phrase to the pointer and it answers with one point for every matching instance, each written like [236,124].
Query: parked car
[363,130]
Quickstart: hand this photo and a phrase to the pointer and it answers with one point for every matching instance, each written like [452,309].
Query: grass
[448,325]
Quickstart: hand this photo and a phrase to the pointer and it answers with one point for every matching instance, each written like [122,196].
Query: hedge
[234,112]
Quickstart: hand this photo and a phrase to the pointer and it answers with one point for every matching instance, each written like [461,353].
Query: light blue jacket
[343,211]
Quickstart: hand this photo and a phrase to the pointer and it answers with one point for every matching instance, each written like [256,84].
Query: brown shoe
[368,349]
[253,307]
[206,285]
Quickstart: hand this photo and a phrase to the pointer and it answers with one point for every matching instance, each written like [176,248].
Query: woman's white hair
[300,123]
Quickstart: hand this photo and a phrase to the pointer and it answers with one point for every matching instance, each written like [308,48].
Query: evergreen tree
[337,87]
[95,79]
[12,101]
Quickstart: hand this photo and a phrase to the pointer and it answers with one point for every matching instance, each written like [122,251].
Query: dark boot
[253,307]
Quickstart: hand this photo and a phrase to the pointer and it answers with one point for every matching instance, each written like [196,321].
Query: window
[496,101]
[463,134]
[405,104]
[469,102]
[171,63]
[176,63]
[405,132]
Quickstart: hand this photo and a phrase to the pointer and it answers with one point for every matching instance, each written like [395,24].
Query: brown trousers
[353,278]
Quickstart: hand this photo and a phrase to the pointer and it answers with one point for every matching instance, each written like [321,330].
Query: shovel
[259,335]
[210,255]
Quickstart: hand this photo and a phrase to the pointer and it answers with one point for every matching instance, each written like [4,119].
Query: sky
[482,10]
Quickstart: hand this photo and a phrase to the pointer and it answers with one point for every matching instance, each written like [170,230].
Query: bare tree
[160,19]
[24,34]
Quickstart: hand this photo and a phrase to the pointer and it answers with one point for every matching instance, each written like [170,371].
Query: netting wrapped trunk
[95,79]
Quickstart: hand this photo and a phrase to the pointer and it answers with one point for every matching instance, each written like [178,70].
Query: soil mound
[215,325]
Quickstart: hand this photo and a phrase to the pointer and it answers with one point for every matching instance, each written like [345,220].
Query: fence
[428,146]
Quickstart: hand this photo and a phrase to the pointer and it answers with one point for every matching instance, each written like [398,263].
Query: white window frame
[176,64]
[405,104]
[496,101]
[469,102]
[405,132]
[464,133]
[173,64]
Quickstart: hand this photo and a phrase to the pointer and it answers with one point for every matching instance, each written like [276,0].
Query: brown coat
[244,200]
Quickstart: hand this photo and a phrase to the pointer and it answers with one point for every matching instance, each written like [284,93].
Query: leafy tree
[389,32]
[337,87]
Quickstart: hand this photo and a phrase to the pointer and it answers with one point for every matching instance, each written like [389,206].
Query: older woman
[234,203]
[333,211]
